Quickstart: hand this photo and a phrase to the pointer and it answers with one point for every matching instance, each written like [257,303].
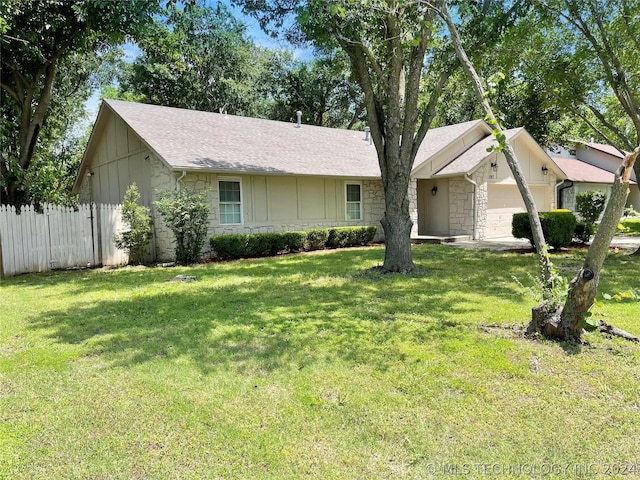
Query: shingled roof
[204,141]
[579,171]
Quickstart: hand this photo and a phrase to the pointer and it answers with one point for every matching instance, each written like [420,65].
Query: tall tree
[37,36]
[321,88]
[198,57]
[598,43]
[551,318]
[401,65]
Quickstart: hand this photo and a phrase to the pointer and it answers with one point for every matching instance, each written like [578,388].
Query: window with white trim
[353,196]
[230,202]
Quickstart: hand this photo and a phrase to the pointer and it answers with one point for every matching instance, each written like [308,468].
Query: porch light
[545,170]
[434,190]
[494,167]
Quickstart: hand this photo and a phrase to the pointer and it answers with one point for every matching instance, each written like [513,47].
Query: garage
[503,202]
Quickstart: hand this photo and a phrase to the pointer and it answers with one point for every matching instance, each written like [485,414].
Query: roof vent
[366,133]
[299,114]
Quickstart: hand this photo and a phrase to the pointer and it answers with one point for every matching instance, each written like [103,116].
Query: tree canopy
[37,38]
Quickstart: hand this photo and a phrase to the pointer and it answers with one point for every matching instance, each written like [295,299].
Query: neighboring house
[589,166]
[264,176]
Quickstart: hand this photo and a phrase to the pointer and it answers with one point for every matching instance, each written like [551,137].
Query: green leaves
[630,295]
[138,219]
[186,213]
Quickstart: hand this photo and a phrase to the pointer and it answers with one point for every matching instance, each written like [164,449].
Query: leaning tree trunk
[567,323]
[636,168]
[509,153]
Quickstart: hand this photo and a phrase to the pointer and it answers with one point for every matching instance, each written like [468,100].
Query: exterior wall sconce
[434,190]
[545,170]
[494,167]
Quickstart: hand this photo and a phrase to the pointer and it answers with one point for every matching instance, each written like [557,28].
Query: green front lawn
[630,227]
[311,366]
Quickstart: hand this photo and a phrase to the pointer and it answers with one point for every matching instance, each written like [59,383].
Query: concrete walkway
[510,243]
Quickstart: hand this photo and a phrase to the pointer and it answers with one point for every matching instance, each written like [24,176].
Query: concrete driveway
[510,243]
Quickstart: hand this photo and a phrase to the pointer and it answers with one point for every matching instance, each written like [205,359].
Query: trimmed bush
[341,237]
[227,247]
[558,227]
[316,239]
[295,241]
[521,227]
[590,205]
[583,231]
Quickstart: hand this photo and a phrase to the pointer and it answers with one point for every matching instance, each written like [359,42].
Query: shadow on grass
[221,328]
[261,315]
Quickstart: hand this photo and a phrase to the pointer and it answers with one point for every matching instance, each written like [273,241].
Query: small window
[353,209]
[230,202]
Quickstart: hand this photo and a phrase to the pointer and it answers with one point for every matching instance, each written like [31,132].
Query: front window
[230,202]
[354,201]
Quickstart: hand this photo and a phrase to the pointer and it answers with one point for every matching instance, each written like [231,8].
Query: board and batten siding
[277,203]
[117,159]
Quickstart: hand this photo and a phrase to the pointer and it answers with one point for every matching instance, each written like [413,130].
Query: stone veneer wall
[413,205]
[373,209]
[461,204]
[481,176]
[161,179]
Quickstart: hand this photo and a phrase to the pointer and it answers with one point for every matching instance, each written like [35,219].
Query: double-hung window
[230,192]
[353,195]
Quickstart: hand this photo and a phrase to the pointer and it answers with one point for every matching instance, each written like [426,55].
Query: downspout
[557,194]
[474,205]
[569,185]
[184,174]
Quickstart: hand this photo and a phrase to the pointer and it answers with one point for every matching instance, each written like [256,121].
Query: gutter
[474,204]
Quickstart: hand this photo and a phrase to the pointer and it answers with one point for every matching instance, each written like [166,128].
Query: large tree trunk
[33,115]
[584,286]
[397,229]
[636,169]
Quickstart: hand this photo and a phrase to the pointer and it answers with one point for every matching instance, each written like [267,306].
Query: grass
[631,227]
[311,366]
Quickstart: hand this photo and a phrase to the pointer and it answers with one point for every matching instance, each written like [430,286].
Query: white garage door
[504,201]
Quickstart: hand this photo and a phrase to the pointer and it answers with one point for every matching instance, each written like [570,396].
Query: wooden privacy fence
[59,237]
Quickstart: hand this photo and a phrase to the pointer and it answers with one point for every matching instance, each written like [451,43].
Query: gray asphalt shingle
[195,140]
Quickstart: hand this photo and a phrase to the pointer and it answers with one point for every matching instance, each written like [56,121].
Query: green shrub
[186,213]
[584,231]
[295,241]
[557,227]
[521,227]
[227,247]
[316,239]
[590,205]
[341,237]
[138,218]
[366,235]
